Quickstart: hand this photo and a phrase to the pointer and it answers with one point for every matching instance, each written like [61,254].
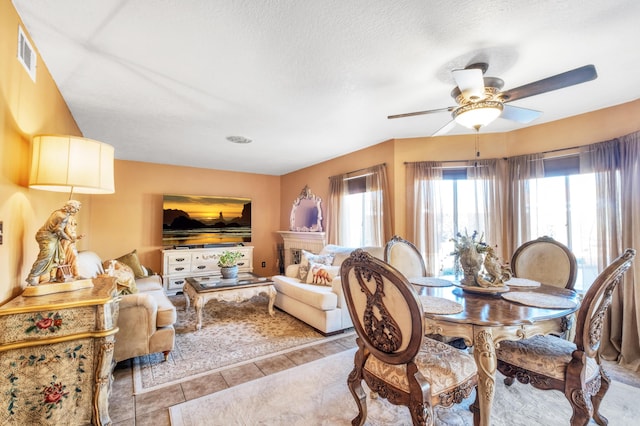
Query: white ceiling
[309,80]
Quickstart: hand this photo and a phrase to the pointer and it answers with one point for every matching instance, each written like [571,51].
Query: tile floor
[152,408]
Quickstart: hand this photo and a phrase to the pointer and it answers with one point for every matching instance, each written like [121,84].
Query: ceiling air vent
[26,54]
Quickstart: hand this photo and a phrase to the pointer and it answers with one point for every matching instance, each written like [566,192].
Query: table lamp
[63,163]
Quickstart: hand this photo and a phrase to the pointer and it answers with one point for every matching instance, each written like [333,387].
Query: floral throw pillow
[125,278]
[321,274]
[307,258]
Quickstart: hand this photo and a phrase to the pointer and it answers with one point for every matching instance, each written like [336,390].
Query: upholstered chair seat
[547,355]
[443,366]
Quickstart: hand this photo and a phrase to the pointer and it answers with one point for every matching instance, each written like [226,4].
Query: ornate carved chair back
[547,261]
[394,358]
[384,308]
[596,302]
[405,257]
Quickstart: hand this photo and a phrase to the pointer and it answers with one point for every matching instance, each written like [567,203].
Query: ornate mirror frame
[306,212]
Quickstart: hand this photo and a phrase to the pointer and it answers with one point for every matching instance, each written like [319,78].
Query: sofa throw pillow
[321,274]
[131,259]
[307,257]
[125,279]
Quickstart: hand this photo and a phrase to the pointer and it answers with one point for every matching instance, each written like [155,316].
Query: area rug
[317,394]
[232,334]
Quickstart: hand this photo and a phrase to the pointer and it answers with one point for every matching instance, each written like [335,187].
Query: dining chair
[547,261]
[394,358]
[405,257]
[550,362]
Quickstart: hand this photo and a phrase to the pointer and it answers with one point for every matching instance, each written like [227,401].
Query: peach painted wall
[132,217]
[26,109]
[317,177]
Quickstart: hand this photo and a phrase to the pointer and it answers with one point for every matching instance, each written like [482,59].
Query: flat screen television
[200,220]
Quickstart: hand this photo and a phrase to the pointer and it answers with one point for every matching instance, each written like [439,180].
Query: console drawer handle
[179,282]
[201,267]
[180,269]
[180,259]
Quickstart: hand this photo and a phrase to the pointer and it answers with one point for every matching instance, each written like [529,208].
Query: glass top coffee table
[199,290]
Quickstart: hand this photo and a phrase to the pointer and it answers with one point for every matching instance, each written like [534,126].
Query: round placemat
[430,282]
[522,282]
[439,305]
[539,300]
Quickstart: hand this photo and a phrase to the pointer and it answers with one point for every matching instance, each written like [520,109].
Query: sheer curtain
[617,167]
[378,188]
[519,170]
[424,209]
[378,215]
[335,224]
[489,176]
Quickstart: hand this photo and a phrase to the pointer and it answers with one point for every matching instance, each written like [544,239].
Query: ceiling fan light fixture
[477,114]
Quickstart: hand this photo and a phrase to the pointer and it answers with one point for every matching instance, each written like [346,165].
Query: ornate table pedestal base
[484,340]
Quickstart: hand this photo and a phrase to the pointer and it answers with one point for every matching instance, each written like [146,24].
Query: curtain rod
[505,158]
[359,170]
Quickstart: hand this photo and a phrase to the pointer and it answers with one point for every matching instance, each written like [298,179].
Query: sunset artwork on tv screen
[195,220]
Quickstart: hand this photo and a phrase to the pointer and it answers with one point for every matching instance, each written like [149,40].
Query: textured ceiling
[308,80]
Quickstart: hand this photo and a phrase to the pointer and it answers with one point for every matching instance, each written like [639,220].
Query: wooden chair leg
[420,413]
[355,387]
[582,408]
[166,355]
[605,382]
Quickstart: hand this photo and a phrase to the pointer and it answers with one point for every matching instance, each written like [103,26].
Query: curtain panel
[424,208]
[617,167]
[518,224]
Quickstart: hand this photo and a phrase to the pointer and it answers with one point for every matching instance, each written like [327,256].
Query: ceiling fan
[480,99]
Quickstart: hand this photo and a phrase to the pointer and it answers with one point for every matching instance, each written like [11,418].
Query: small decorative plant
[229,258]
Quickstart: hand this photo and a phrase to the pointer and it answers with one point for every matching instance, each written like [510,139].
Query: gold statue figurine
[57,258]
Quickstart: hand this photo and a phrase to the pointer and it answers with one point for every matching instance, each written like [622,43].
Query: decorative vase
[471,263]
[229,271]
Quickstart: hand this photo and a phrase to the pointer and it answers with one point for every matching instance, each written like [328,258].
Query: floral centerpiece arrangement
[472,254]
[468,252]
[228,263]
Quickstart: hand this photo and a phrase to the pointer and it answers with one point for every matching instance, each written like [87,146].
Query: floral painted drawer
[56,356]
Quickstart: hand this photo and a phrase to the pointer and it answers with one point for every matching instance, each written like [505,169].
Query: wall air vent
[26,54]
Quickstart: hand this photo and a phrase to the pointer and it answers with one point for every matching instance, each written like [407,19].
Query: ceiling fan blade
[445,129]
[519,115]
[470,82]
[411,114]
[559,81]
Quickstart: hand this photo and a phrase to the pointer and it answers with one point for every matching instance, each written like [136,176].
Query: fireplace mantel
[294,240]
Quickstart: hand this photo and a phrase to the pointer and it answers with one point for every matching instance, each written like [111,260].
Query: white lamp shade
[477,114]
[71,163]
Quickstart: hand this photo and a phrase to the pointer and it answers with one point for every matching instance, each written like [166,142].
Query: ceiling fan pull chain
[477,146]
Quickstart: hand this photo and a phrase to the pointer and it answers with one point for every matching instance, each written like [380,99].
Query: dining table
[485,317]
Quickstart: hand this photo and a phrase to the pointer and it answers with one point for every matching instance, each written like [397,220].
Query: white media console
[178,264]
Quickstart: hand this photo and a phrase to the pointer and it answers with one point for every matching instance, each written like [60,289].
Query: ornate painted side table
[56,356]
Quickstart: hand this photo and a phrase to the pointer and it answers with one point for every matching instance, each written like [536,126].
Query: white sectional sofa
[321,306]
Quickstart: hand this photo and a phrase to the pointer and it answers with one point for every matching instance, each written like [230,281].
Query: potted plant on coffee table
[228,263]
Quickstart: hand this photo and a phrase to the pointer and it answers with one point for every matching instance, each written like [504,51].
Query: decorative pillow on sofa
[125,279]
[131,259]
[321,274]
[307,258]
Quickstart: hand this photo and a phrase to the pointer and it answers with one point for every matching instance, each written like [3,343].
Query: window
[358,208]
[360,213]
[564,208]
[462,210]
